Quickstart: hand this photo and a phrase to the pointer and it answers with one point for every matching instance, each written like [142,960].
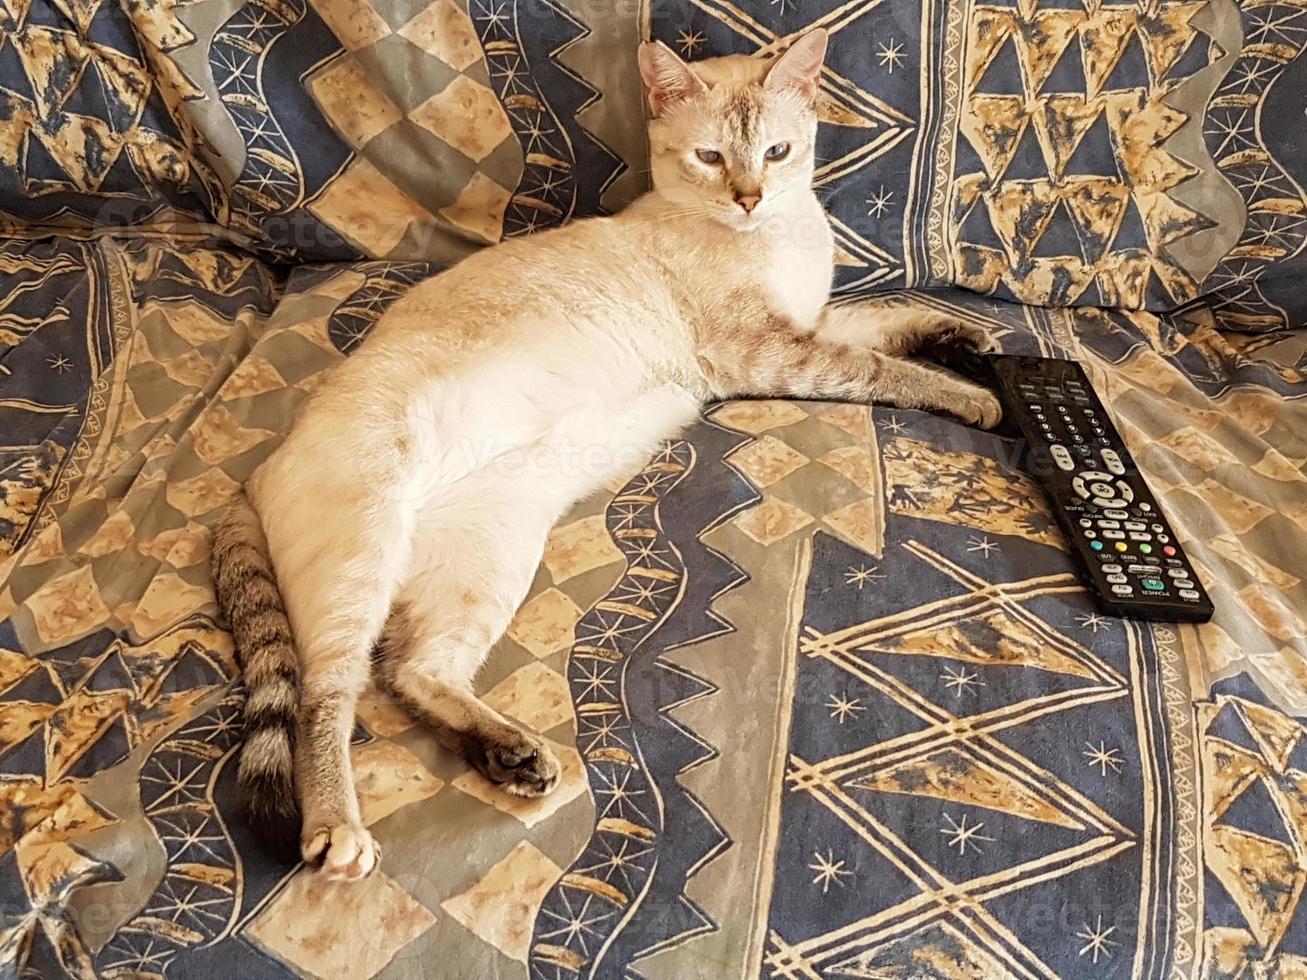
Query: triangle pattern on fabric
[1130,234]
[994,126]
[1064,121]
[1059,237]
[954,776]
[1043,41]
[1102,39]
[1255,812]
[1131,68]
[1027,162]
[1068,75]
[1093,153]
[1002,76]
[1095,205]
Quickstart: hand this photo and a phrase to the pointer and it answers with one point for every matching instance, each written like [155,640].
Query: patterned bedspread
[830,698]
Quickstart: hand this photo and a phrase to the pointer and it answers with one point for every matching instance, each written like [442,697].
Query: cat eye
[777,151]
[710,157]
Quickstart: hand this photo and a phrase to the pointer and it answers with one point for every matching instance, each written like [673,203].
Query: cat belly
[564,426]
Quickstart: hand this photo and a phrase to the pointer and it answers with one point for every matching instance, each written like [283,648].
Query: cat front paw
[979,408]
[966,337]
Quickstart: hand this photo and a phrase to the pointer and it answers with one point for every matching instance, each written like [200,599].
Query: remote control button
[1096,545]
[1140,569]
[1090,533]
[1168,551]
[1101,489]
[1116,515]
[1188,594]
[1112,568]
[1146,508]
[1062,457]
[1151,559]
[1097,476]
[1135,526]
[1107,502]
[1177,573]
[1157,528]
[1140,536]
[1078,439]
[1113,461]
[1116,579]
[1145,549]
[1175,562]
[1113,525]
[1121,546]
[1114,535]
[1122,589]
[1154,584]
[1124,490]
[1163,538]
[1183,583]
[1078,485]
[1086,522]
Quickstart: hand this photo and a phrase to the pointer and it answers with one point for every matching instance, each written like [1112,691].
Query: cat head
[729,136]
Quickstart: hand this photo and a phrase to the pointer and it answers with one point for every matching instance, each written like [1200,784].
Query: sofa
[830,696]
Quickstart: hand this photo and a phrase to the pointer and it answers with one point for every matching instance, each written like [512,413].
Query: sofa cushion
[1128,155]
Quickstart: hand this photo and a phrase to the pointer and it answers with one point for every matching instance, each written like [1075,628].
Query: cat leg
[454,606]
[782,362]
[337,589]
[899,331]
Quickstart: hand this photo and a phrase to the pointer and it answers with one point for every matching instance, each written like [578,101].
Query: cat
[407,509]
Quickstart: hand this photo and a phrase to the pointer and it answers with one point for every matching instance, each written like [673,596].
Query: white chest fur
[800,260]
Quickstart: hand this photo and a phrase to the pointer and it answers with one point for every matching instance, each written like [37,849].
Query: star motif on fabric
[575,924]
[860,575]
[963,835]
[601,731]
[878,204]
[618,861]
[844,707]
[1096,939]
[618,798]
[960,680]
[982,545]
[1103,757]
[598,682]
[828,871]
[894,425]
[891,55]
[59,363]
[690,43]
[1093,622]
[494,15]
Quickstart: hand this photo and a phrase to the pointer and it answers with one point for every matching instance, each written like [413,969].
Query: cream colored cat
[410,503]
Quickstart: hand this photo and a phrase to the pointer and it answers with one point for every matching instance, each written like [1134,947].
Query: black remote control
[1131,560]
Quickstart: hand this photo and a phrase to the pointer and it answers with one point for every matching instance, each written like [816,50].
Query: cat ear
[667,78]
[799,67]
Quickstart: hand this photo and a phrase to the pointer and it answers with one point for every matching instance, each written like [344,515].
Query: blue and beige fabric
[830,698]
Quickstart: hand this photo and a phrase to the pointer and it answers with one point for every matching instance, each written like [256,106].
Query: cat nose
[747,201]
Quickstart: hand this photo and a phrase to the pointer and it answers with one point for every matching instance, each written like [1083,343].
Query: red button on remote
[1168,551]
